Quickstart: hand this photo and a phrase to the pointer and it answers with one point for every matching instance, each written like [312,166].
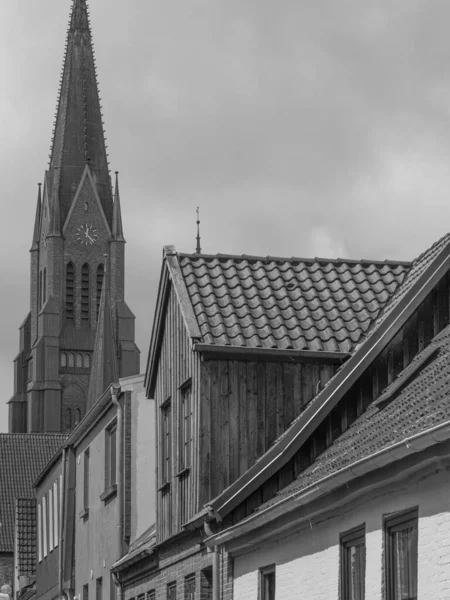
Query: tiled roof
[419,404]
[26,535]
[22,457]
[288,303]
[418,266]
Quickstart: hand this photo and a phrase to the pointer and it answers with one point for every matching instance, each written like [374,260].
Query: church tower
[77,238]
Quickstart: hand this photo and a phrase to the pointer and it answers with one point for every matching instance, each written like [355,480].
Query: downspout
[115,389]
[215,564]
[61,523]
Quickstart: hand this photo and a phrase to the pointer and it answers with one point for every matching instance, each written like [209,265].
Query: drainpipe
[115,389]
[215,564]
[61,523]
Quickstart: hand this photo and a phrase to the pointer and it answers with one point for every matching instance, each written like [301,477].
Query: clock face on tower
[86,234]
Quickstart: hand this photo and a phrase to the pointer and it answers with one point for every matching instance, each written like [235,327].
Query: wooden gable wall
[245,406]
[426,322]
[176,497]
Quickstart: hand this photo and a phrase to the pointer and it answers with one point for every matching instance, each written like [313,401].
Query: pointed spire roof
[104,369]
[117,230]
[37,220]
[78,136]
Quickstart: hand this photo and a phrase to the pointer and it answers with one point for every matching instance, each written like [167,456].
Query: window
[401,556]
[110,456]
[50,520]
[353,564]
[85,292]
[166,442]
[100,273]
[63,360]
[172,591]
[71,360]
[185,426]
[68,419]
[56,509]
[44,525]
[99,589]
[87,361]
[79,361]
[86,480]
[70,285]
[77,416]
[40,290]
[86,591]
[112,588]
[39,531]
[151,595]
[189,587]
[44,287]
[267,583]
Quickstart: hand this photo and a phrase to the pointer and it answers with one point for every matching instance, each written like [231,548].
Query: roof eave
[377,460]
[319,408]
[244,352]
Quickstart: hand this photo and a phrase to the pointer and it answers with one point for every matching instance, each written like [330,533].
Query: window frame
[189,580]
[263,574]
[166,442]
[392,524]
[171,587]
[185,426]
[84,514]
[348,540]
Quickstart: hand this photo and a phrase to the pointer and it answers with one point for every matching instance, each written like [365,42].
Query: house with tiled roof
[350,500]
[240,347]
[22,457]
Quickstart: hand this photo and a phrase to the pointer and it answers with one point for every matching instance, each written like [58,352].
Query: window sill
[109,494]
[84,514]
[183,472]
[164,487]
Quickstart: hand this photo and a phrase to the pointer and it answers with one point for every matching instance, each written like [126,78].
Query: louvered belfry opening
[100,274]
[85,292]
[70,286]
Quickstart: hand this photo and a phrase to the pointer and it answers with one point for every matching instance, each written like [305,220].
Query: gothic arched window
[100,274]
[44,287]
[68,419]
[70,288]
[40,290]
[85,292]
[79,361]
[71,360]
[87,361]
[77,416]
[63,359]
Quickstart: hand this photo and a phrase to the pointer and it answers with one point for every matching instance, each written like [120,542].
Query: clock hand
[89,238]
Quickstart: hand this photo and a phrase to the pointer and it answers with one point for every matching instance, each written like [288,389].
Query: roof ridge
[316,259]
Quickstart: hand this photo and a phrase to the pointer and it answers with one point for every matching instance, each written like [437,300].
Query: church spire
[104,370]
[37,220]
[78,136]
[117,230]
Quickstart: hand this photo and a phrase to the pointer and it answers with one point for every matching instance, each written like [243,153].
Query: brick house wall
[307,559]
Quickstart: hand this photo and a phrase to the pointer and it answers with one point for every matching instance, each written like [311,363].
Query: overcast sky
[300,128]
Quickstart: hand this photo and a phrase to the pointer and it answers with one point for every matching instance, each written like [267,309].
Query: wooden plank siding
[177,363]
[245,406]
[429,319]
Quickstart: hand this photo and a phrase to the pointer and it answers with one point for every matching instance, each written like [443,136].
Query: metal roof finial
[198,249]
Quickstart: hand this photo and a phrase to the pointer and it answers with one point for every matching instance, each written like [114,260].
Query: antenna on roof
[198,249]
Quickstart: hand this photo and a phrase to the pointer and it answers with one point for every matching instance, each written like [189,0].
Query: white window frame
[55,514]
[44,526]
[39,531]
[50,520]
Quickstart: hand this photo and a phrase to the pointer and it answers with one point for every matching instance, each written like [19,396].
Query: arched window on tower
[63,359]
[44,287]
[71,360]
[85,292]
[70,288]
[87,361]
[68,419]
[79,361]
[77,416]
[100,274]
[40,290]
